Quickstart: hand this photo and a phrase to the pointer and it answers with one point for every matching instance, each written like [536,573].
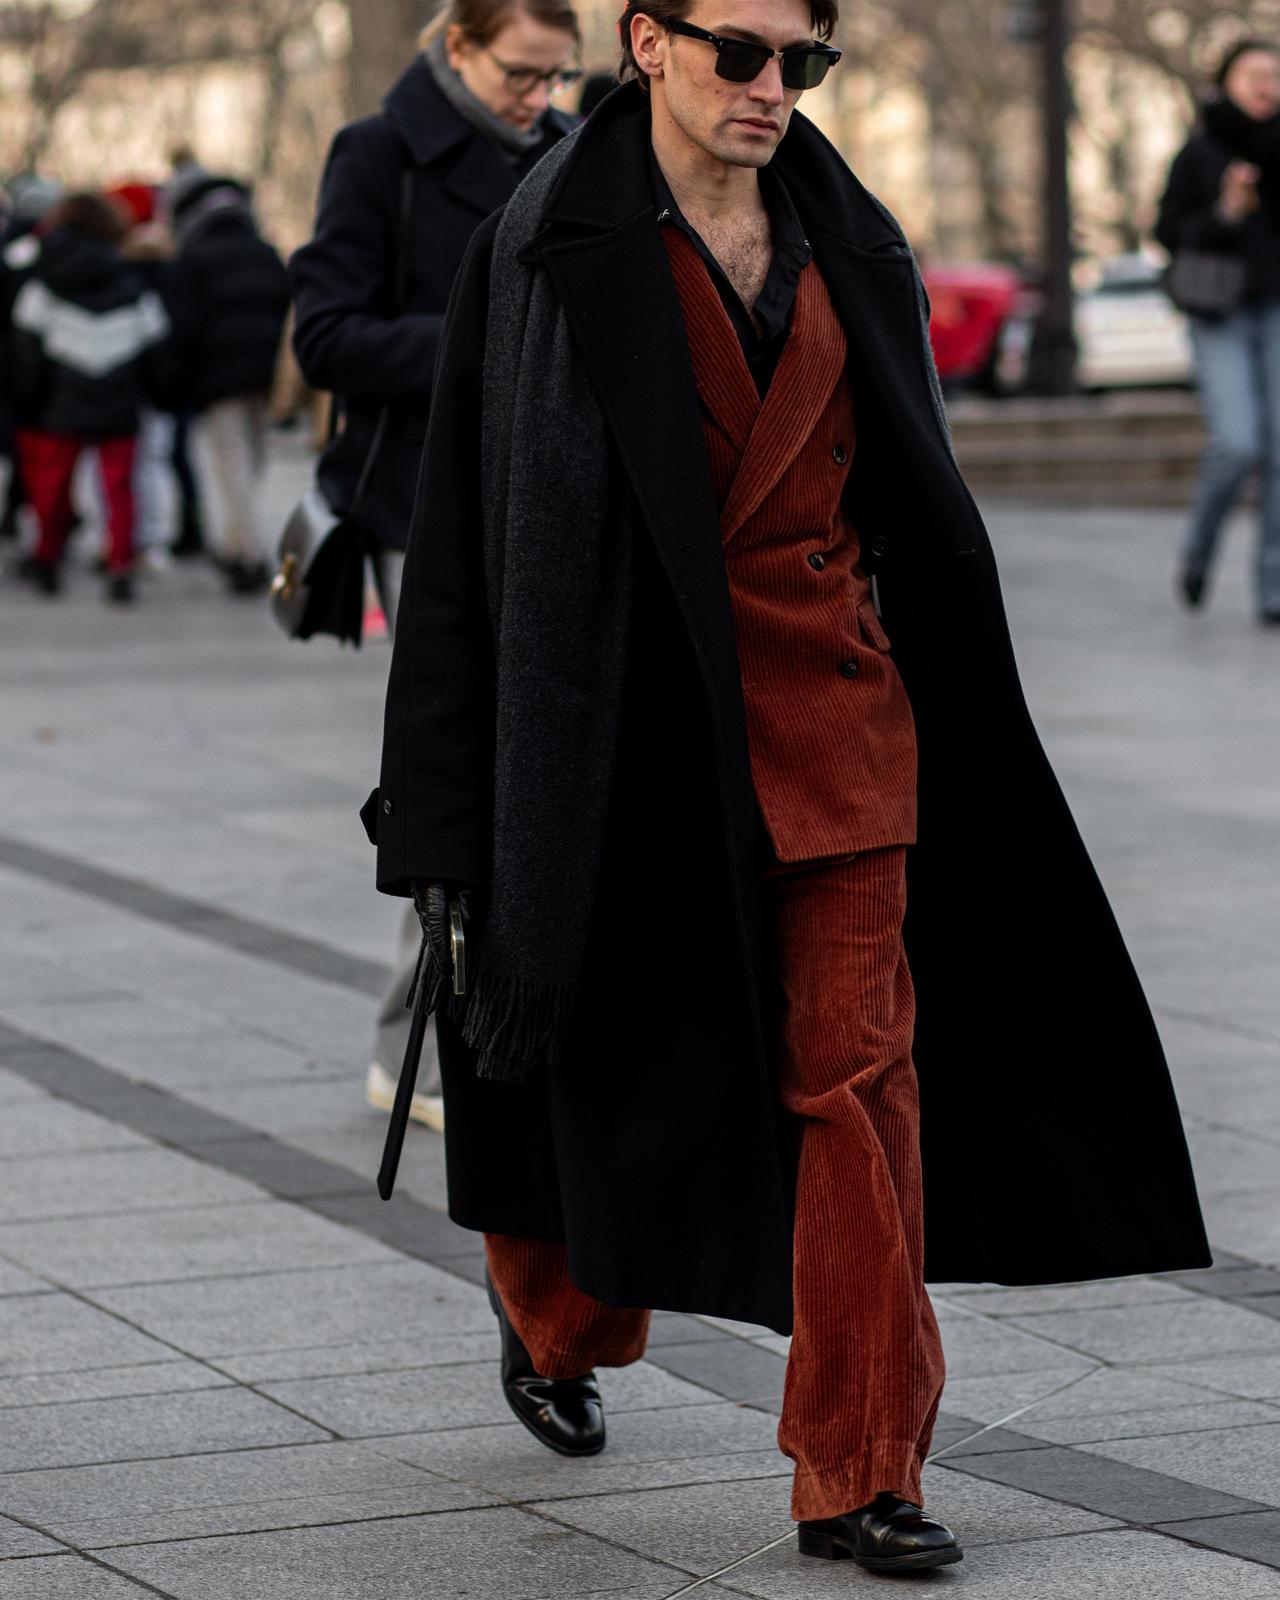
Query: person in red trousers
[84,328]
[704,731]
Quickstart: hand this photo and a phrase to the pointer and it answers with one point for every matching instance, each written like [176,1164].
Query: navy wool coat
[350,338]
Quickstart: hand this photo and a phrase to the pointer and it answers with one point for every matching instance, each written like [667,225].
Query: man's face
[741,124]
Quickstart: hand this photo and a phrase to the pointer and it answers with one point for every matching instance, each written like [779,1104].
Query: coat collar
[430,128]
[600,242]
[605,182]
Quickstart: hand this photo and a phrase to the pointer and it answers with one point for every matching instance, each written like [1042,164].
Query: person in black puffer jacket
[1223,199]
[83,336]
[231,294]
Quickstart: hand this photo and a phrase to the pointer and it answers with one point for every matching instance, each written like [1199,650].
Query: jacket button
[388,807]
[817,562]
[840,456]
[848,669]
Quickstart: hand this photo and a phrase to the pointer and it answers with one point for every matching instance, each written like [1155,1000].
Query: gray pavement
[227,1372]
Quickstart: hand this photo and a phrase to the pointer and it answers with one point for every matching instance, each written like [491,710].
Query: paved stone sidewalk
[227,1372]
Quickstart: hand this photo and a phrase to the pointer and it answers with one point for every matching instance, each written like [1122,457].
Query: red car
[971,304]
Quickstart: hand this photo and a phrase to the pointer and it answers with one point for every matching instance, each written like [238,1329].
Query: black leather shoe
[889,1535]
[565,1414]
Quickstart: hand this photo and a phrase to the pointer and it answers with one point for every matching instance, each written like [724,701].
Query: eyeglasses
[521,80]
[739,61]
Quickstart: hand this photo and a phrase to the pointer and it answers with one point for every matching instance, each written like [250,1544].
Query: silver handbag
[319,582]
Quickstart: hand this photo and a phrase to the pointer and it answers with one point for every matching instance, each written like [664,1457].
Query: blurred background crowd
[164,162]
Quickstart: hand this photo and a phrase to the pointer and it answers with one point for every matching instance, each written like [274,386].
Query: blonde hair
[483,20]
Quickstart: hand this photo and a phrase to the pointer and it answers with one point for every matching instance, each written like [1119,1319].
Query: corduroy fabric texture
[866,1368]
[565,1331]
[833,750]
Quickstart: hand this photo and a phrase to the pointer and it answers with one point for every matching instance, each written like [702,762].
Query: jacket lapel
[725,384]
[812,360]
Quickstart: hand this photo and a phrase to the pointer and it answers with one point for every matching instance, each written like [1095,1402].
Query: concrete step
[1137,448]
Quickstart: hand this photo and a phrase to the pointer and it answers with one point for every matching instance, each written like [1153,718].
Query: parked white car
[1129,333]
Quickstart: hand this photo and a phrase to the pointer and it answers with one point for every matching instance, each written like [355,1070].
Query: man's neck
[702,185]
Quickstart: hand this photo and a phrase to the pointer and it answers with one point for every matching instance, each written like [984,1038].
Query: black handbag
[1205,283]
[319,582]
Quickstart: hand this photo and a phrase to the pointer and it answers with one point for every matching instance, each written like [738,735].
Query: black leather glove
[432,901]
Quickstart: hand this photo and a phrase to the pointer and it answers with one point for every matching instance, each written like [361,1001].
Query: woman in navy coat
[467,121]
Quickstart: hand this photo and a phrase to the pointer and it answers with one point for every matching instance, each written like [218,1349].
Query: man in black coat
[571,769]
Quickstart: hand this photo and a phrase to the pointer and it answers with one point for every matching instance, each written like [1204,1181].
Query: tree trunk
[384,37]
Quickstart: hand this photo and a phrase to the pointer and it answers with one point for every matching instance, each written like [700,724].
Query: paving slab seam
[1230,1507]
[86,1299]
[79,1400]
[71,1550]
[232,931]
[489,1503]
[1217,1024]
[407,1230]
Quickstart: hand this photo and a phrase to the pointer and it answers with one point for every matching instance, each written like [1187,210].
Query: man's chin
[742,150]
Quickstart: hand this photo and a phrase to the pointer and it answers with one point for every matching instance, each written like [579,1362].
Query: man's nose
[768,88]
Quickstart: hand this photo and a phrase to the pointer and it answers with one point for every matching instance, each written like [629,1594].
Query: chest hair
[744,249]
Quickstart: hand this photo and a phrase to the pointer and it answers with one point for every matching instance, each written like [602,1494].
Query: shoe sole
[824,1547]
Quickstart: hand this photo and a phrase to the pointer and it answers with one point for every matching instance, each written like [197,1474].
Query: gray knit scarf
[558,542]
[514,143]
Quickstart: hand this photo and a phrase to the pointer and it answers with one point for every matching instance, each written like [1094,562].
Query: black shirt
[791,255]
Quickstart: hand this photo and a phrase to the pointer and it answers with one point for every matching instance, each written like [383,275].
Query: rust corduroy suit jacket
[833,752]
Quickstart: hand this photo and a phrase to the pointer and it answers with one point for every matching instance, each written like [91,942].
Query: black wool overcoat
[1053,1148]
[349,336]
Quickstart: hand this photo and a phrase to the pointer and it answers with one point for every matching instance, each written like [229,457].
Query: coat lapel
[624,313]
[812,360]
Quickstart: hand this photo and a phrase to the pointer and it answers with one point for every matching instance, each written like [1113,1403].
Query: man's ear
[649,44]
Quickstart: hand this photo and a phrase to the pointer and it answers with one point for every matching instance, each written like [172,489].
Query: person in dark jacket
[653,729]
[84,328]
[232,297]
[463,126]
[1223,199]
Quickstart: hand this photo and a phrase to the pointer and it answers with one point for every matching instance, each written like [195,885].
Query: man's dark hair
[825,14]
[90,215]
[1243,47]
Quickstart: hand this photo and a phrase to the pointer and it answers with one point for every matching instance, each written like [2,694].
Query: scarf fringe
[517,1028]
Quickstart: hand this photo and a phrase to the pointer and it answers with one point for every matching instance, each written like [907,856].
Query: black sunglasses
[739,61]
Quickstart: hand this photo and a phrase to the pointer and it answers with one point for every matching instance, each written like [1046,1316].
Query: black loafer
[565,1414]
[889,1535]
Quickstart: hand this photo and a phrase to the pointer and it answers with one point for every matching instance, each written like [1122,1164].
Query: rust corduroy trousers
[865,1371]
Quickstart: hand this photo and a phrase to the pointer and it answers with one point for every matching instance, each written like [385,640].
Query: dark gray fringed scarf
[558,541]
